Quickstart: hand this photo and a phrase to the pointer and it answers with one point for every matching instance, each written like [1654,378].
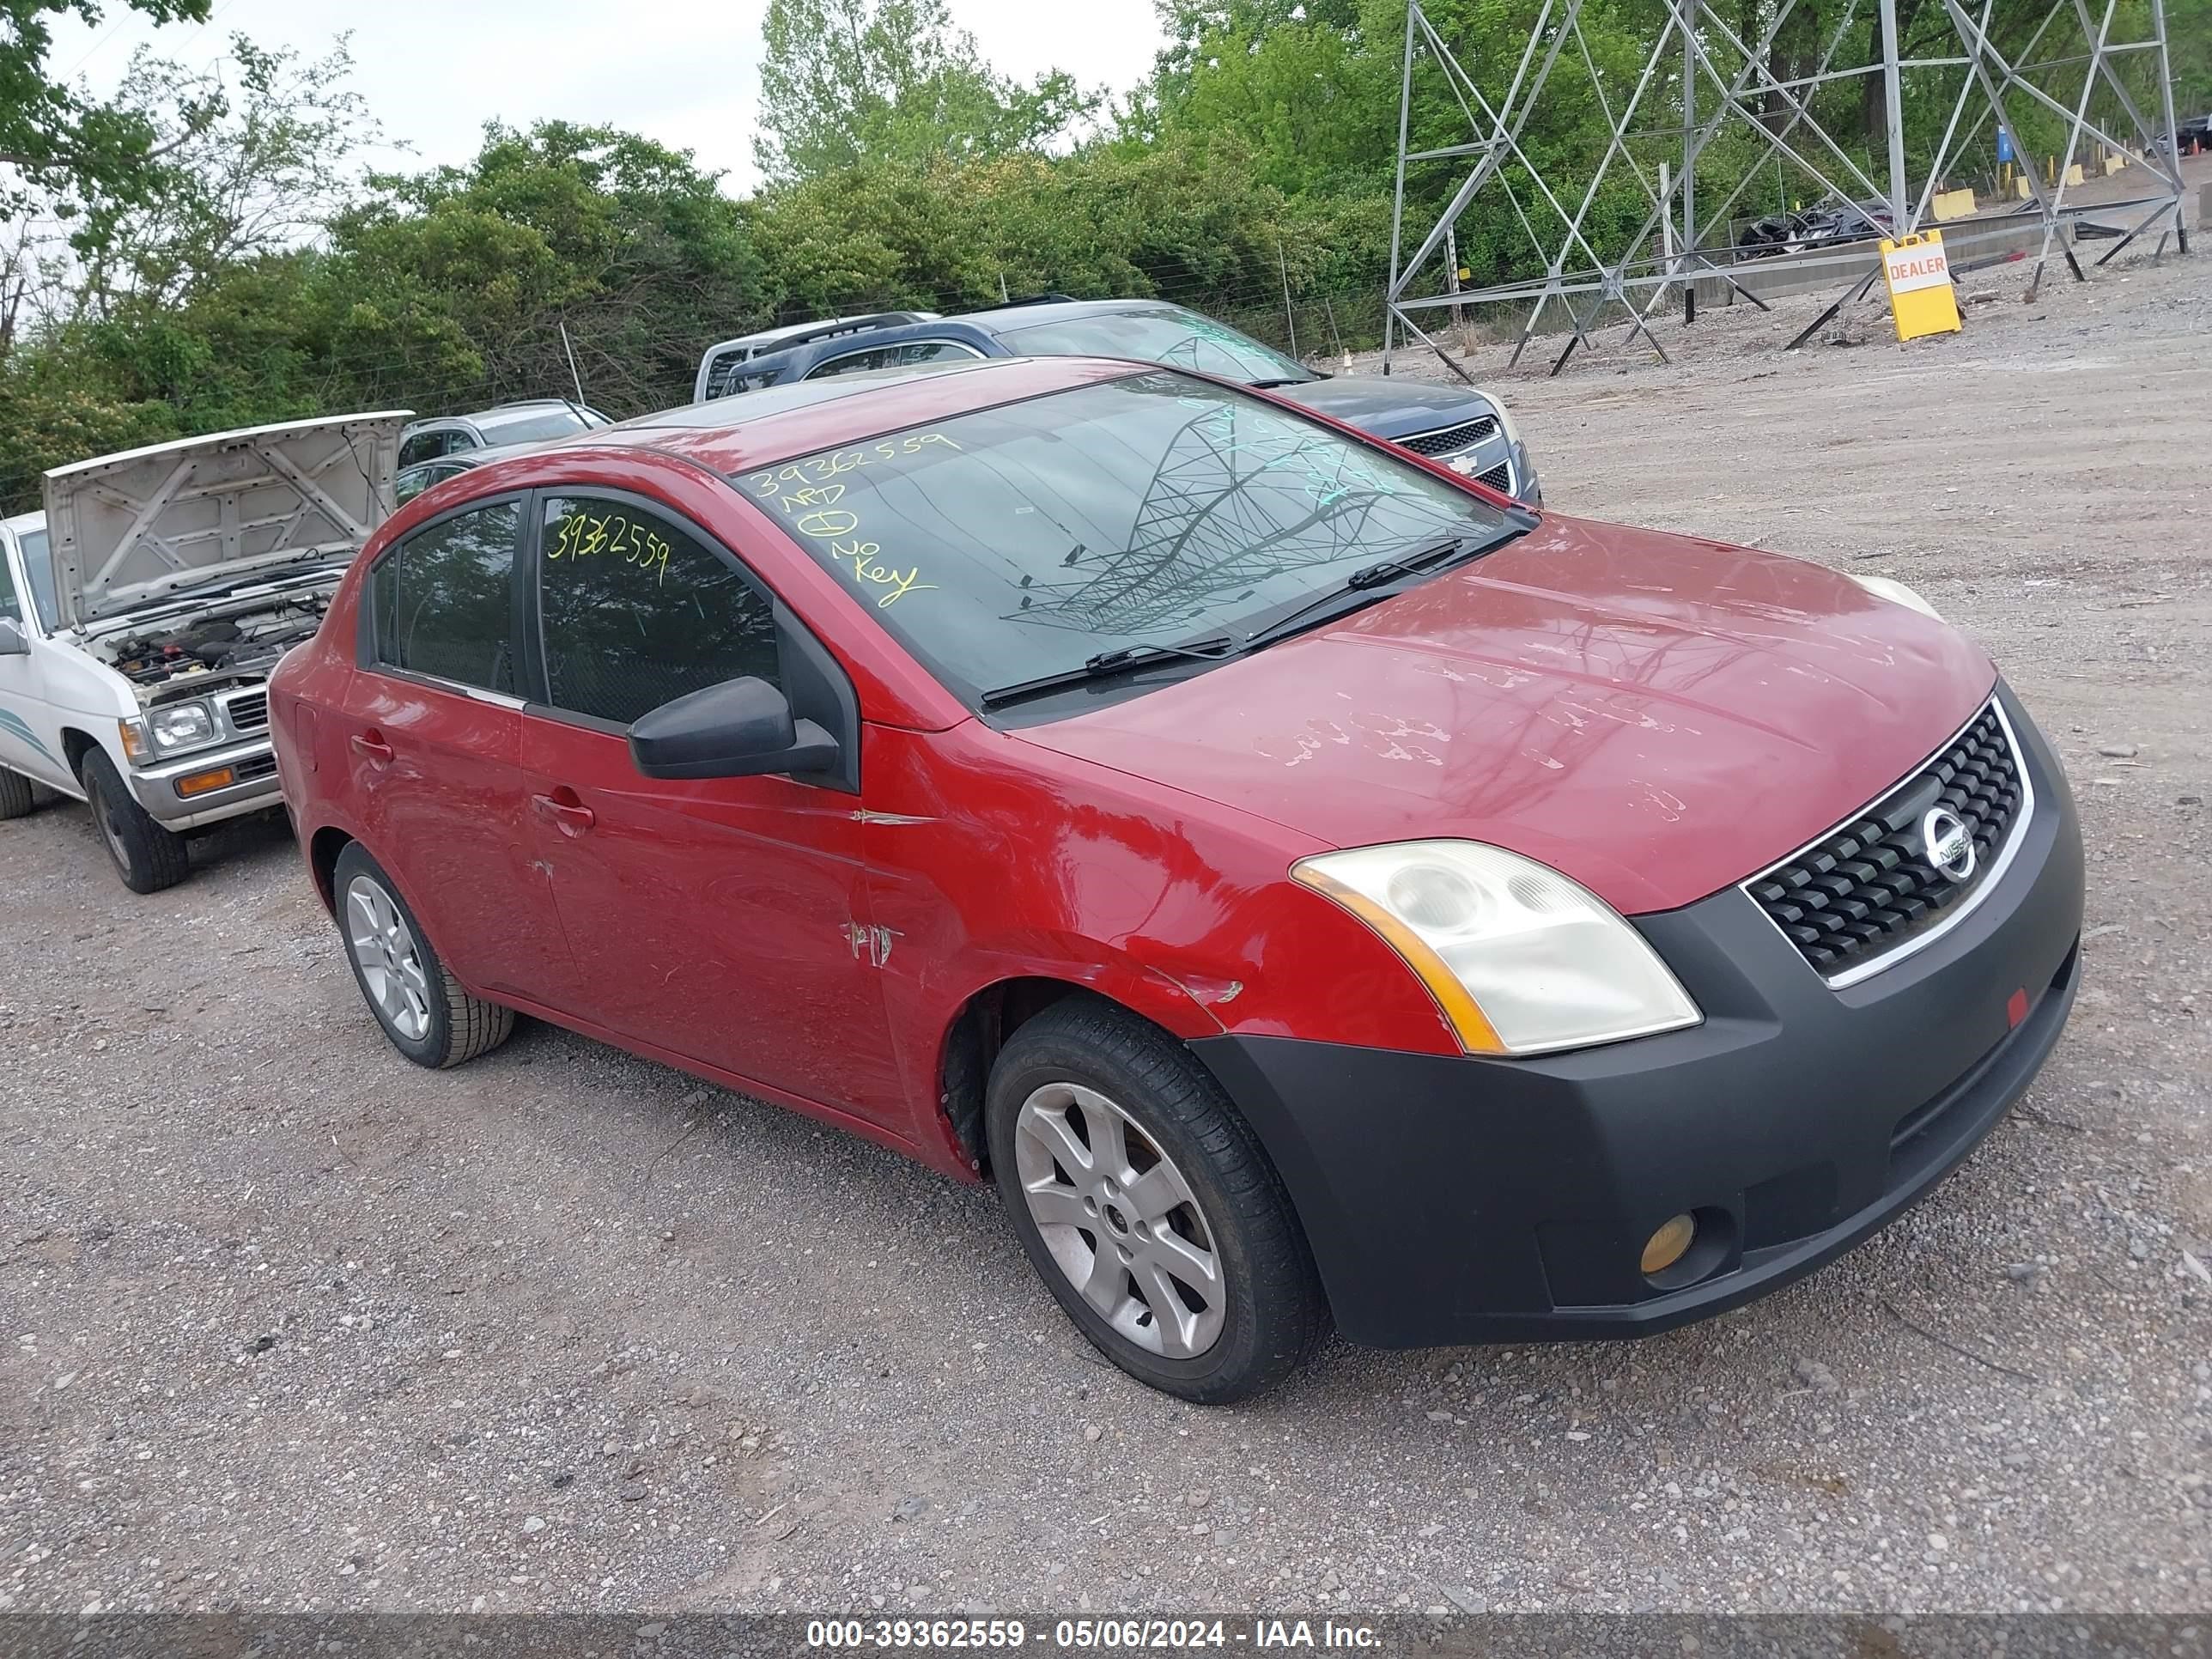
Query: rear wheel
[1147,1206]
[423,1009]
[16,797]
[147,855]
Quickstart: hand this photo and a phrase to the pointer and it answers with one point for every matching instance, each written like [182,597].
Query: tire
[146,855]
[16,797]
[1079,1075]
[421,1007]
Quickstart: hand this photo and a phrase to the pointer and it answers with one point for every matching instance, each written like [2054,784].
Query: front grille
[1451,440]
[1866,888]
[1499,477]
[249,711]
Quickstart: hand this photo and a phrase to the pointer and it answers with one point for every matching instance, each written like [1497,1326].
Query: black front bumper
[1458,1199]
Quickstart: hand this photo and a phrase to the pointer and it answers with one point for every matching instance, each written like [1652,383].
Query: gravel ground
[290,1324]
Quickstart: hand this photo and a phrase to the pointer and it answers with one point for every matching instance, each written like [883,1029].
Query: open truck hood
[130,528]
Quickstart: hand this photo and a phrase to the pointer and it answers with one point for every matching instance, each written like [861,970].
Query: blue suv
[1468,430]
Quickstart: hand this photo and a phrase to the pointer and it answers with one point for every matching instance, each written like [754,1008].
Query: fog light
[200,782]
[1668,1245]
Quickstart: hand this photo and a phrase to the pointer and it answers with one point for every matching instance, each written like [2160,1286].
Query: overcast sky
[686,72]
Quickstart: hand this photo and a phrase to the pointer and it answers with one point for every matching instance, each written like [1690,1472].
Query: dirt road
[290,1324]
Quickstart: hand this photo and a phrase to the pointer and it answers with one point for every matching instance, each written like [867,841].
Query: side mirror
[739,729]
[12,642]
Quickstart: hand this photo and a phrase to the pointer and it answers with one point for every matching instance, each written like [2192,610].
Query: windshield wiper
[1355,590]
[1124,660]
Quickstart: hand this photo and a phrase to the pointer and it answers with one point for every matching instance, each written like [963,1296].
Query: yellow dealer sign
[1921,298]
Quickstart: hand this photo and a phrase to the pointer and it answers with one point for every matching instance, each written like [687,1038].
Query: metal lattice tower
[1699,81]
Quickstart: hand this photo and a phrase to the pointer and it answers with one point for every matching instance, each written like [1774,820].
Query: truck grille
[1866,891]
[1451,440]
[249,711]
[1499,478]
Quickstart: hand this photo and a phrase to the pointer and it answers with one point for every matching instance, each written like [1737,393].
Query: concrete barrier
[1968,242]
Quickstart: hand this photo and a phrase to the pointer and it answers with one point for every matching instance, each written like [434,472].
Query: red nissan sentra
[1312,887]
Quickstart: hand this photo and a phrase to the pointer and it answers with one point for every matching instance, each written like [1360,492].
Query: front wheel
[147,854]
[1148,1208]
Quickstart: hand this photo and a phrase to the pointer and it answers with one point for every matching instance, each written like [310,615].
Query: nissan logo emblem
[1949,846]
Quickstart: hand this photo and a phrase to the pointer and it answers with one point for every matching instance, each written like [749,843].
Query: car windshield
[531,426]
[1013,543]
[1172,337]
[39,566]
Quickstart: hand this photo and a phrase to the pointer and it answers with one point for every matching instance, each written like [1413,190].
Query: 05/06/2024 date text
[1094,1635]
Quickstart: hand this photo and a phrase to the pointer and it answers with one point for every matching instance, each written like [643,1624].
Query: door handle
[571,815]
[370,745]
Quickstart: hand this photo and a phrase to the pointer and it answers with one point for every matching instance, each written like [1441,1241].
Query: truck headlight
[1885,587]
[174,727]
[1521,959]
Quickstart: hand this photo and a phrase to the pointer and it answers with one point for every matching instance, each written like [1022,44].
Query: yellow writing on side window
[583,536]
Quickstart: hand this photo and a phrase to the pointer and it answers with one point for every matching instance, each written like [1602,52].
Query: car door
[722,920]
[433,736]
[24,746]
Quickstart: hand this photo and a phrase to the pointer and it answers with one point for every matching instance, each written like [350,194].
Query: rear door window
[422,446]
[638,608]
[443,600]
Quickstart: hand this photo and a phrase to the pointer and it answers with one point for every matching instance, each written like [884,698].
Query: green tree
[60,142]
[454,285]
[847,82]
[254,174]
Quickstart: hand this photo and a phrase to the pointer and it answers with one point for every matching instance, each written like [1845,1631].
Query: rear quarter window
[443,600]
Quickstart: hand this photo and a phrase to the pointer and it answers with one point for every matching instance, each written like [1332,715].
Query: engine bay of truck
[203,649]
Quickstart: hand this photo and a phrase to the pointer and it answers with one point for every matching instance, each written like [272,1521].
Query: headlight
[1882,587]
[1521,960]
[175,727]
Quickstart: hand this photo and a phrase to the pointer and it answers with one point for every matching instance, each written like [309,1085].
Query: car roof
[765,428]
[1009,317]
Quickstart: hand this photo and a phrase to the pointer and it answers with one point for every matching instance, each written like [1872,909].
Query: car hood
[1389,409]
[131,528]
[1655,716]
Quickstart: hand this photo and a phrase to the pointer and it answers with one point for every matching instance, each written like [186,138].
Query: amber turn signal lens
[1669,1244]
[200,782]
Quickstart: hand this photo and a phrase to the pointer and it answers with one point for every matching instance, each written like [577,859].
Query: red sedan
[1313,888]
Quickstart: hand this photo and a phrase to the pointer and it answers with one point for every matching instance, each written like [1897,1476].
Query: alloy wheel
[390,966]
[1120,1220]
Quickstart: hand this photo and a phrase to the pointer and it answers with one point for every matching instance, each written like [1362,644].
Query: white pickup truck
[141,613]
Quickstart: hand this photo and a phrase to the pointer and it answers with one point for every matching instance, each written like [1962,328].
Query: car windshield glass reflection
[1017,541]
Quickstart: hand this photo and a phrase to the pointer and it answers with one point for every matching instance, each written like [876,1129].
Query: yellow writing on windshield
[870,568]
[821,468]
[805,494]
